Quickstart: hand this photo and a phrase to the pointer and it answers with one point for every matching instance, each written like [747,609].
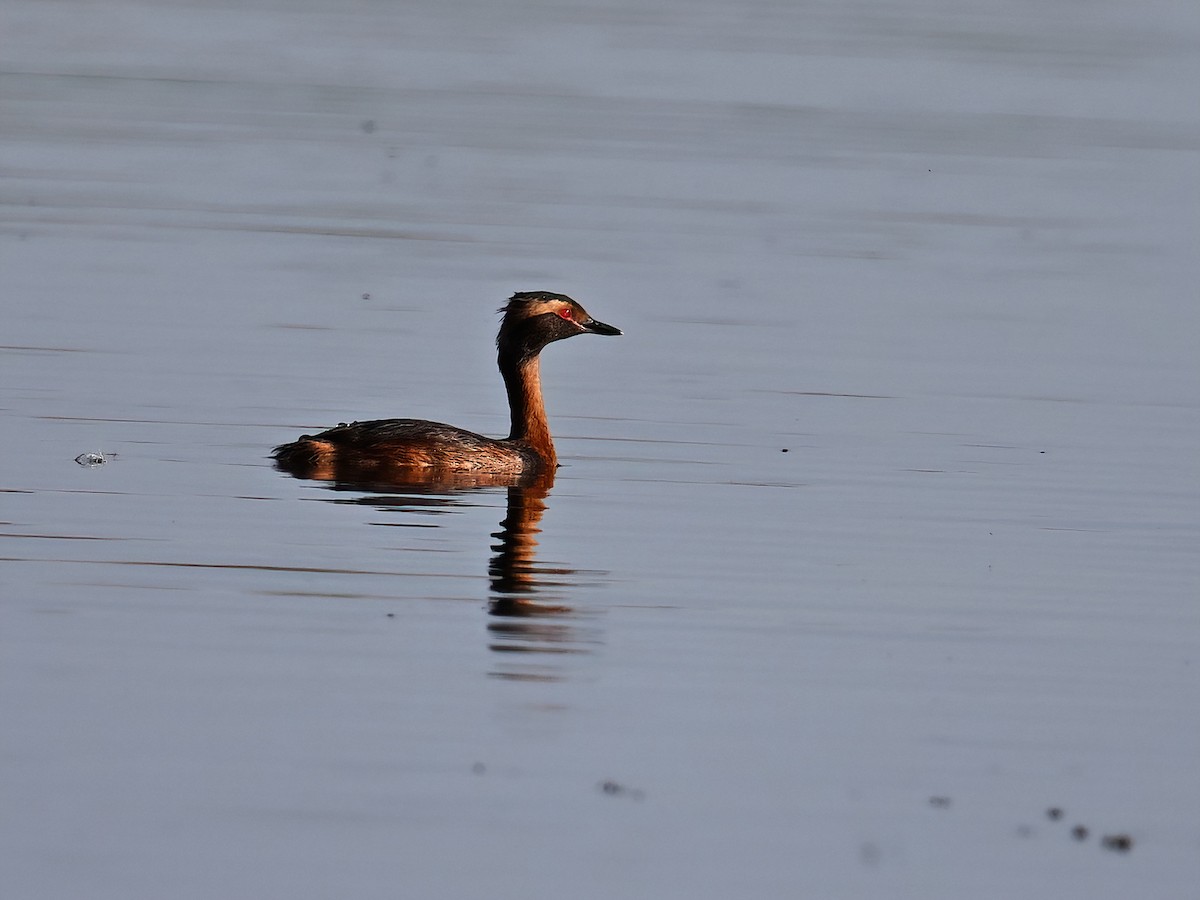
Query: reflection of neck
[512,568]
[523,381]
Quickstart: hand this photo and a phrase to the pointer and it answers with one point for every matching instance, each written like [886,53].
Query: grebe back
[387,448]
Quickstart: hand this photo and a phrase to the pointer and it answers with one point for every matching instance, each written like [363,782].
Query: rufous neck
[523,381]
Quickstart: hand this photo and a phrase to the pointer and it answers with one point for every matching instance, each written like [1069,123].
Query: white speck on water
[93,458]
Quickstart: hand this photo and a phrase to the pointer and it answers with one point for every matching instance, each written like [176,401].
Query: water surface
[876,533]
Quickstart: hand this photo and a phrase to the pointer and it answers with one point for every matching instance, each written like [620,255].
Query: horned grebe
[396,448]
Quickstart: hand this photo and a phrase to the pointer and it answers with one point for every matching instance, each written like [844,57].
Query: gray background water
[942,253]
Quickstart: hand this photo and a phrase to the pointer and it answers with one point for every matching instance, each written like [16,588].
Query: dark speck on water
[1121,843]
[614,789]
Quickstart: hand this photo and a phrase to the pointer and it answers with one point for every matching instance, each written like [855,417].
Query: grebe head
[533,319]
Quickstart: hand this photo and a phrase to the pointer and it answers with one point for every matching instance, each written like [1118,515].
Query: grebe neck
[523,381]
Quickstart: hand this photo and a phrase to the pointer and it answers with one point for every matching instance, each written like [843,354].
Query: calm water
[876,535]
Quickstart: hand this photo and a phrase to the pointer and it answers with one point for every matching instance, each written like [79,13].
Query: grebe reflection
[530,622]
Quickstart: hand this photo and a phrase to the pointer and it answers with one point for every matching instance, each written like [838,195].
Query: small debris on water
[93,459]
[784,450]
[1079,832]
[479,768]
[939,802]
[613,789]
[1121,843]
[1054,813]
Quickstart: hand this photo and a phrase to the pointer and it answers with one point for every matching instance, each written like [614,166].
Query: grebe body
[415,448]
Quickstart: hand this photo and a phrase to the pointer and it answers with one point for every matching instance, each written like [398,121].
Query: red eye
[565,313]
